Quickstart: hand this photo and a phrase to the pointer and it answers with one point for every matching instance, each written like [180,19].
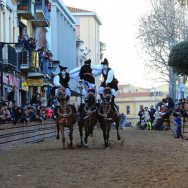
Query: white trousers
[101,91]
[86,86]
[67,91]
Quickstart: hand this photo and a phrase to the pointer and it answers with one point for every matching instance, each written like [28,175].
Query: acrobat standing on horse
[87,77]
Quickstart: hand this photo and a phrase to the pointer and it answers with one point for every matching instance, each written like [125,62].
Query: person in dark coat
[62,79]
[87,77]
[10,96]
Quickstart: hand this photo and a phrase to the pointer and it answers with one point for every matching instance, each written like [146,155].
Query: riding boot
[114,108]
[112,99]
[102,98]
[67,98]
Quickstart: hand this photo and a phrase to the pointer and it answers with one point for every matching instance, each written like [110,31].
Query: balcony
[9,56]
[42,14]
[26,8]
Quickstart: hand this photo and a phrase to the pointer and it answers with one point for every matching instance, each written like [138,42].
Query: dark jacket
[86,74]
[10,96]
[64,81]
[113,84]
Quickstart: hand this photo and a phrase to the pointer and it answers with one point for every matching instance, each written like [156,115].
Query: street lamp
[19,47]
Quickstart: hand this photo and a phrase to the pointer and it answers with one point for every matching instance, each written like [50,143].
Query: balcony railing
[26,8]
[9,58]
[43,16]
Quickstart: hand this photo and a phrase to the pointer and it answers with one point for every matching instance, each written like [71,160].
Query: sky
[119,31]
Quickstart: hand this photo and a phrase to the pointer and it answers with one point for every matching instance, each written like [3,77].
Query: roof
[82,12]
[126,85]
[139,94]
[61,6]
[72,9]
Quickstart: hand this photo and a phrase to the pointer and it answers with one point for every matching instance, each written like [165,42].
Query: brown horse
[87,118]
[66,117]
[107,116]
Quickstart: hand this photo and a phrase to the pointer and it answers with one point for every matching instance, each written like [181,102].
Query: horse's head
[107,96]
[91,99]
[61,94]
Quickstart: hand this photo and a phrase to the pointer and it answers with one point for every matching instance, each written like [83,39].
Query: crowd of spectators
[159,118]
[25,114]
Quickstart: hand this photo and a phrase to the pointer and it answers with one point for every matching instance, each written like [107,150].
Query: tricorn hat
[105,62]
[88,61]
[62,68]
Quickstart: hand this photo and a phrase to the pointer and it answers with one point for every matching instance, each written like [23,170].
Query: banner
[34,82]
[25,85]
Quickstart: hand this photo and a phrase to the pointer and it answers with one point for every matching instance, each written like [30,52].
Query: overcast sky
[119,30]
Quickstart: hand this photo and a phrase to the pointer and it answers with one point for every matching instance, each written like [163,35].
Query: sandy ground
[148,159]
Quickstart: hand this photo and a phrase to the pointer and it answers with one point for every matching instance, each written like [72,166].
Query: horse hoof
[57,137]
[86,145]
[119,138]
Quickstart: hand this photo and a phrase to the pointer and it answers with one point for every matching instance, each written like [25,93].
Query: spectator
[10,96]
[178,123]
[152,112]
[141,114]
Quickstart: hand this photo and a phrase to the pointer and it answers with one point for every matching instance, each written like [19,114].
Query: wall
[63,38]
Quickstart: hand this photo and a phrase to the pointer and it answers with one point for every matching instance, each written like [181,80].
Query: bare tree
[102,49]
[159,31]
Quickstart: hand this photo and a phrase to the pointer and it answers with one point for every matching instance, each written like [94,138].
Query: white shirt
[110,75]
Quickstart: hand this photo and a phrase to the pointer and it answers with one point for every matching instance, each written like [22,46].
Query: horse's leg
[81,132]
[103,127]
[108,133]
[71,135]
[86,136]
[57,126]
[117,128]
[63,135]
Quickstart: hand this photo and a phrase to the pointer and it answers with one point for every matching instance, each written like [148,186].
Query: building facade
[8,54]
[131,98]
[63,37]
[88,25]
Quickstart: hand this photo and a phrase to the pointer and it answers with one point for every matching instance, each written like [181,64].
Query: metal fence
[11,135]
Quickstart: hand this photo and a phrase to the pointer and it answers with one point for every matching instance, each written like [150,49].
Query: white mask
[105,67]
[63,73]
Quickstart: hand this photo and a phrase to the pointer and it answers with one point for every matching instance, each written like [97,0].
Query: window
[128,109]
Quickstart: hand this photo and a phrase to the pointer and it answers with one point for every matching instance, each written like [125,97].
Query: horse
[65,116]
[107,116]
[87,117]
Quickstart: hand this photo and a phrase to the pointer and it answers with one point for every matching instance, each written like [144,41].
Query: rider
[87,77]
[108,81]
[62,79]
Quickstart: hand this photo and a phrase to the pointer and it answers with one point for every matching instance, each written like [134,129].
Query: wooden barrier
[185,128]
[12,135]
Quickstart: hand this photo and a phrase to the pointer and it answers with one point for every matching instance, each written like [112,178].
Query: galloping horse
[107,116]
[66,116]
[87,117]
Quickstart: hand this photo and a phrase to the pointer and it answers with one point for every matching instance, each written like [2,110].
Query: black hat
[105,62]
[88,61]
[62,68]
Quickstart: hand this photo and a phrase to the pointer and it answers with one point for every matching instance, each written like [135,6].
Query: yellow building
[131,98]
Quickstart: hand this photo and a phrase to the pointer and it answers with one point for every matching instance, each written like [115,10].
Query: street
[140,159]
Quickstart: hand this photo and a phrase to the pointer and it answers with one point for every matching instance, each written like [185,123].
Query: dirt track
[141,159]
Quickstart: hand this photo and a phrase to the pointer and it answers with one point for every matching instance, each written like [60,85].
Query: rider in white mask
[62,79]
